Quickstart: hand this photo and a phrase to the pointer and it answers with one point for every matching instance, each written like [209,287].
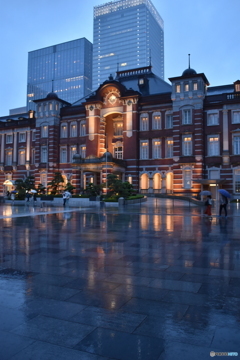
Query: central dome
[51,95]
[189,72]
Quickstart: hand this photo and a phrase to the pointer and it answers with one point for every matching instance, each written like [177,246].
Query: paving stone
[120,345]
[54,331]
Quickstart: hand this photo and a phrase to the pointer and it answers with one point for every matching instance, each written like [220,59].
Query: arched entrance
[157,183]
[144,183]
[169,182]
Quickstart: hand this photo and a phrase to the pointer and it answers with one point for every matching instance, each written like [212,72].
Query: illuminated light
[123,64]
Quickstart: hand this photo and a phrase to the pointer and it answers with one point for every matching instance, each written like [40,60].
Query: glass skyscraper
[65,69]
[127,34]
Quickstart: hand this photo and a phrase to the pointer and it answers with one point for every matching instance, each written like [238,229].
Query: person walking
[66,197]
[208,203]
[223,205]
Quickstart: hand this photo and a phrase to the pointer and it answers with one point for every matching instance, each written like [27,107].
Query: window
[141,81]
[118,128]
[187,118]
[9,157]
[33,136]
[156,121]
[45,107]
[237,87]
[43,179]
[236,145]
[73,151]
[50,106]
[214,174]
[56,107]
[21,157]
[236,117]
[63,130]
[144,149]
[82,128]
[118,152]
[178,88]
[44,154]
[212,119]
[237,181]
[213,145]
[156,149]
[63,155]
[195,86]
[144,122]
[33,156]
[39,108]
[44,131]
[83,151]
[9,139]
[187,145]
[169,147]
[22,137]
[169,121]
[73,130]
[186,87]
[187,179]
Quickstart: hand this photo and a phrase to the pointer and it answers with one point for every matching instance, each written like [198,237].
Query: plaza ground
[152,281]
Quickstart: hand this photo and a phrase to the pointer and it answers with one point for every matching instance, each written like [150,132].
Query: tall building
[65,69]
[128,34]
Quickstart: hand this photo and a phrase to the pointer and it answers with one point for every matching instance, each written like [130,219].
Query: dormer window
[195,86]
[178,88]
[186,87]
[237,87]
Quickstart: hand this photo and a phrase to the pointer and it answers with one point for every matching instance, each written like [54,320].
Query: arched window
[156,121]
[144,126]
[44,130]
[73,129]
[63,130]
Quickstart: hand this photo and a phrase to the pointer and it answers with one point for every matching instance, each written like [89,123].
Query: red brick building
[177,138]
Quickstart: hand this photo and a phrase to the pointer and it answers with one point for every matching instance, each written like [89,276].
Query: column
[2,149]
[15,148]
[163,189]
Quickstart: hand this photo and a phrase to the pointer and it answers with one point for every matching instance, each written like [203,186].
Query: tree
[55,183]
[116,187]
[69,187]
[93,190]
[24,185]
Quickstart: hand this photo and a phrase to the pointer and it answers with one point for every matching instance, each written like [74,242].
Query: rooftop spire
[189,60]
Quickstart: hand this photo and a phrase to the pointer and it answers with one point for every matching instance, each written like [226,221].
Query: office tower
[65,69]
[127,34]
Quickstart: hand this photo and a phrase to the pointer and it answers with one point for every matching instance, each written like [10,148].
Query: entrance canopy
[210,181]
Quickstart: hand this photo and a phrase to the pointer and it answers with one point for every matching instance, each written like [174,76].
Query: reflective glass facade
[65,69]
[127,33]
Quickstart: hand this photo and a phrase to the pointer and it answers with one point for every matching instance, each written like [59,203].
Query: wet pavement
[153,281]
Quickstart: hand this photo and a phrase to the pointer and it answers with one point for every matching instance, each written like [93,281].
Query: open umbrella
[205,193]
[33,191]
[224,193]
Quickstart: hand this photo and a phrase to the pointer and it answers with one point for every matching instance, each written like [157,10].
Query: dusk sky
[207,29]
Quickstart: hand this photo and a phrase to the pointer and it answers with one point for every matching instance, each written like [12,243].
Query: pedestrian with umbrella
[66,197]
[224,196]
